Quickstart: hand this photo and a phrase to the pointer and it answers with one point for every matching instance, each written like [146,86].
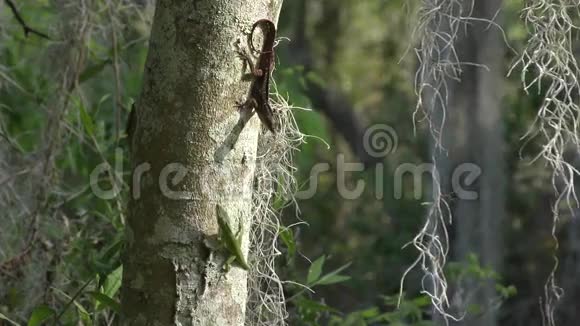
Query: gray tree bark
[473,134]
[187,156]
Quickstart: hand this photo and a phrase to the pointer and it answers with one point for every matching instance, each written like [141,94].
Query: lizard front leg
[246,57]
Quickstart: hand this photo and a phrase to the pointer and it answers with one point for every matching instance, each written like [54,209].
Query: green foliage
[287,237]
[314,312]
[77,252]
[104,300]
[471,276]
[408,313]
[315,276]
[40,314]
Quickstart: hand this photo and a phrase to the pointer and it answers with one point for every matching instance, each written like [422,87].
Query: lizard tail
[268,28]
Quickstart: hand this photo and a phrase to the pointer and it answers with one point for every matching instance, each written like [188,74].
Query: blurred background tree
[64,102]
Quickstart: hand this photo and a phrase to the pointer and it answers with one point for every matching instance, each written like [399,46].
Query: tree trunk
[188,154]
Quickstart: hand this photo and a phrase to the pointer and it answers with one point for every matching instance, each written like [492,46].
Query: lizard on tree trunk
[261,70]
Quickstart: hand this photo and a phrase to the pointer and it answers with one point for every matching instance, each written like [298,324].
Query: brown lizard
[261,70]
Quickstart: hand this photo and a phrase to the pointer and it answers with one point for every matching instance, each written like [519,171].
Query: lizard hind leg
[240,229]
[228,264]
[247,59]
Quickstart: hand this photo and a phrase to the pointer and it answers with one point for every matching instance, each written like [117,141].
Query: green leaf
[106,301]
[83,314]
[113,282]
[113,250]
[333,279]
[384,317]
[425,323]
[370,312]
[392,300]
[354,319]
[72,299]
[315,306]
[315,270]
[40,314]
[316,79]
[505,292]
[287,237]
[332,276]
[474,309]
[108,261]
[422,301]
[3,317]
[87,120]
[93,70]
[102,100]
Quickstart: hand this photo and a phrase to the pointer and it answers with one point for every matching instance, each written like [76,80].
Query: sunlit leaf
[87,120]
[422,301]
[332,279]
[287,237]
[315,270]
[84,314]
[332,276]
[113,282]
[40,314]
[370,312]
[106,300]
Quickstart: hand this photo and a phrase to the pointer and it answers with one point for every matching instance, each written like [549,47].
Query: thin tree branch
[27,29]
[331,102]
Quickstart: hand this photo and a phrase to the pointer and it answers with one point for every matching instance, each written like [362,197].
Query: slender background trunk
[473,134]
[184,118]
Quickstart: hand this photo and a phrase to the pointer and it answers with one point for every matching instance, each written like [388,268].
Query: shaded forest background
[64,103]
